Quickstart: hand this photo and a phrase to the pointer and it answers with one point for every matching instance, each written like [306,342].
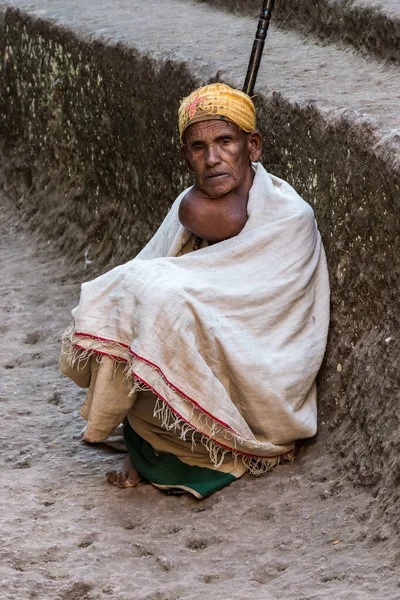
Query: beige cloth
[230,337]
[108,399]
[192,452]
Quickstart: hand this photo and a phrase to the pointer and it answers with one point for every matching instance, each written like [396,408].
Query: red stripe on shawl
[101,339]
[202,433]
[113,356]
[174,387]
[182,393]
[164,400]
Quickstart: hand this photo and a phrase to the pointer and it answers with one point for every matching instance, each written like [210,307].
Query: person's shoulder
[289,193]
[279,197]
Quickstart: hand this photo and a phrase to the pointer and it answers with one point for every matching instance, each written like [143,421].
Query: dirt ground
[298,533]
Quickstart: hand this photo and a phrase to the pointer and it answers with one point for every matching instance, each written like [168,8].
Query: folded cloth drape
[230,337]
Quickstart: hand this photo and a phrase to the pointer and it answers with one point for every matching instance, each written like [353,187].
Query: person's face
[219,154]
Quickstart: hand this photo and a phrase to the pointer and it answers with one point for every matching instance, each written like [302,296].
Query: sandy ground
[298,533]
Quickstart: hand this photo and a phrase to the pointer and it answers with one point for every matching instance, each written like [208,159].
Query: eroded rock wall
[368,28]
[89,137]
[89,142]
[355,195]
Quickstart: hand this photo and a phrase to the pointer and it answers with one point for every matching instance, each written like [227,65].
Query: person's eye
[196,148]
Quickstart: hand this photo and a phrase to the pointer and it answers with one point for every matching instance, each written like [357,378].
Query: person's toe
[112,477]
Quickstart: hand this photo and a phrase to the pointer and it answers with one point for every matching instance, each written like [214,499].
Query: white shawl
[230,337]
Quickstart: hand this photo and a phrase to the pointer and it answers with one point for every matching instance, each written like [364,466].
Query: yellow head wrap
[217,101]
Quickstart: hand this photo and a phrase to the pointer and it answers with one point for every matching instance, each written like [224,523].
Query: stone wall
[89,134]
[367,28]
[89,145]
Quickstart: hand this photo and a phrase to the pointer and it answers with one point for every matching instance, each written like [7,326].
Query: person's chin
[215,187]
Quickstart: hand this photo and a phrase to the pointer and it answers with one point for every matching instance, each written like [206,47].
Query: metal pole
[258,46]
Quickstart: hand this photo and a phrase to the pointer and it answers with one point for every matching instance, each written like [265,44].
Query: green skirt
[168,473]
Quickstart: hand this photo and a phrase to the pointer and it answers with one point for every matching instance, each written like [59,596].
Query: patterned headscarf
[217,101]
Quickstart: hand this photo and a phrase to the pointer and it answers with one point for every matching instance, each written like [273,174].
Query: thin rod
[258,46]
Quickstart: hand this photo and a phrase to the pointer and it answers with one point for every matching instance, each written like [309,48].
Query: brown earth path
[298,533]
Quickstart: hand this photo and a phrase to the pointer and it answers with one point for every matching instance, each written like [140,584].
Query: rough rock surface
[370,26]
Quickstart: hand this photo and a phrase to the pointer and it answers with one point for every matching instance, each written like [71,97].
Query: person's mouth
[217,176]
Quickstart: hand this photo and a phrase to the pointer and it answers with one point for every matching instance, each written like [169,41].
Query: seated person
[207,344]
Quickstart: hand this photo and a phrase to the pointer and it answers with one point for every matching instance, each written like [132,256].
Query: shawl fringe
[78,358]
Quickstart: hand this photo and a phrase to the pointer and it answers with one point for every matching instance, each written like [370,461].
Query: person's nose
[212,155]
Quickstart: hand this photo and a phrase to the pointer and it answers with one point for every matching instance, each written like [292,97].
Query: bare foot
[129,477]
